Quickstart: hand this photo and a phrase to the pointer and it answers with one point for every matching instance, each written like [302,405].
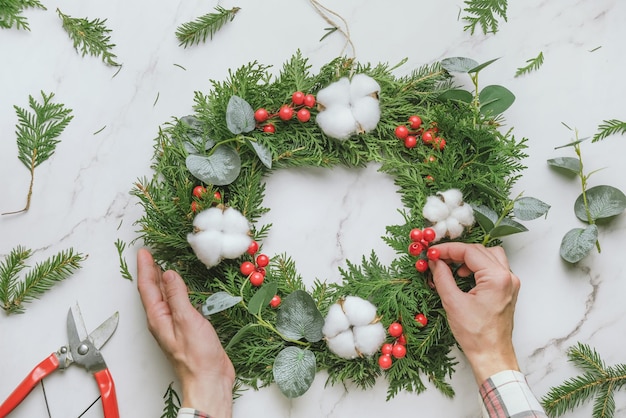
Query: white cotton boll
[452,197]
[369,338]
[366,112]
[455,229]
[359,311]
[435,210]
[234,245]
[441,229]
[337,122]
[207,245]
[234,222]
[343,345]
[337,93]
[362,85]
[336,321]
[464,214]
[208,218]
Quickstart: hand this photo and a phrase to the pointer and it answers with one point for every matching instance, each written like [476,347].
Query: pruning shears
[83,350]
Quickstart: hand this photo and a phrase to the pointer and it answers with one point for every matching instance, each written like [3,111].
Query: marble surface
[322,218]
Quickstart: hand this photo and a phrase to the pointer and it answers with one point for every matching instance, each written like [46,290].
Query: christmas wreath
[449,157]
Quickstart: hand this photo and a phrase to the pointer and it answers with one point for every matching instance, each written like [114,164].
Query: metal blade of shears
[101,335]
[77,332]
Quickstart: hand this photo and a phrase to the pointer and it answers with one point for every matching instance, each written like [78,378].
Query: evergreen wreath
[270,324]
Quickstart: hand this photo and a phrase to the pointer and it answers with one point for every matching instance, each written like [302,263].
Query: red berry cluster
[396,350]
[420,241]
[255,272]
[300,105]
[199,192]
[409,134]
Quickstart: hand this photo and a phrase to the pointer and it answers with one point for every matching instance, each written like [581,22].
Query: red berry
[430,159]
[262,260]
[427,136]
[297,98]
[421,265]
[385,361]
[309,100]
[433,254]
[415,121]
[285,112]
[261,270]
[217,196]
[398,351]
[303,115]
[275,302]
[421,320]
[429,234]
[410,141]
[395,329]
[429,178]
[253,248]
[415,249]
[416,235]
[402,132]
[198,191]
[247,268]
[256,279]
[401,340]
[261,115]
[386,348]
[194,206]
[269,128]
[439,142]
[425,243]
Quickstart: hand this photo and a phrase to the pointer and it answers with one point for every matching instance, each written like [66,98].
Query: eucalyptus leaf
[485,217]
[195,140]
[507,227]
[483,65]
[262,298]
[603,201]
[458,64]
[294,371]
[457,94]
[298,317]
[220,168]
[571,165]
[239,115]
[239,335]
[262,152]
[219,302]
[494,100]
[577,243]
[529,208]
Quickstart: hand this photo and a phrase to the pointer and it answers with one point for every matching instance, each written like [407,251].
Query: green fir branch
[90,37]
[608,128]
[598,380]
[11,13]
[484,14]
[14,293]
[196,31]
[533,64]
[172,402]
[121,246]
[37,134]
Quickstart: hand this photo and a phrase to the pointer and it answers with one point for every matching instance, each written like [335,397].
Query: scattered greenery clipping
[11,13]
[608,128]
[37,134]
[172,402]
[14,292]
[196,31]
[532,65]
[90,37]
[597,381]
[121,246]
[484,14]
[598,203]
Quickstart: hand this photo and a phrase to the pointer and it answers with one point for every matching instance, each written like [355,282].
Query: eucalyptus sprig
[90,37]
[11,13]
[14,292]
[198,30]
[37,134]
[532,65]
[598,203]
[484,14]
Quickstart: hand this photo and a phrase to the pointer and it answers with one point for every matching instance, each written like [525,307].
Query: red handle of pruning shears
[40,371]
[107,393]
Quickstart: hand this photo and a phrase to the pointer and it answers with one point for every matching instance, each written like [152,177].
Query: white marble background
[322,218]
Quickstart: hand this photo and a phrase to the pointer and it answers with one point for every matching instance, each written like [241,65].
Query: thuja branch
[483,13]
[37,134]
[11,13]
[196,31]
[90,37]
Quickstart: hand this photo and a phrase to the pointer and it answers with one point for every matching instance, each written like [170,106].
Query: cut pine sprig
[196,31]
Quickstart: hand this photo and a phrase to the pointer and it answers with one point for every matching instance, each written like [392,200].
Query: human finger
[148,279]
[472,257]
[176,294]
[444,282]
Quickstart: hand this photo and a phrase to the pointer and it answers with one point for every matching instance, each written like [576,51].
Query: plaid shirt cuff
[191,413]
[507,395]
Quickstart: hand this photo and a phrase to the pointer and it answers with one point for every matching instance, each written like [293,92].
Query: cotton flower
[352,329]
[219,233]
[349,106]
[448,213]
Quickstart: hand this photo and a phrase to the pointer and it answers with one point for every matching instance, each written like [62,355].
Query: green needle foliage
[120,246]
[172,402]
[608,128]
[11,13]
[90,37]
[196,31]
[533,64]
[484,14]
[37,134]
[597,381]
[39,279]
